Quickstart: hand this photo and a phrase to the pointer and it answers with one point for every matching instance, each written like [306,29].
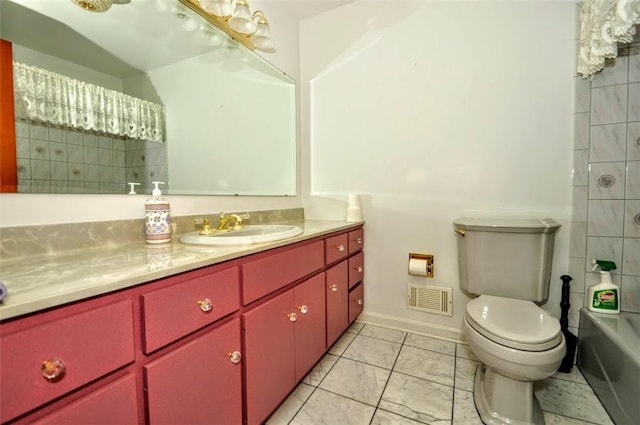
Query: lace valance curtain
[604,24]
[54,98]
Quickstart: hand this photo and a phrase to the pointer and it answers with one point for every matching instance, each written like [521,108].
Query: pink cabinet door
[337,289]
[198,383]
[310,342]
[356,302]
[269,355]
[115,403]
[356,269]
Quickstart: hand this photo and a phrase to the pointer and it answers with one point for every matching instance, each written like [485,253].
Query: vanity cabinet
[284,337]
[222,344]
[47,359]
[199,382]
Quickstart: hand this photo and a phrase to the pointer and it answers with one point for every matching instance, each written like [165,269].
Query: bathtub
[609,358]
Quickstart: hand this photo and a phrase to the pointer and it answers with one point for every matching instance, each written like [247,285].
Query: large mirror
[229,114]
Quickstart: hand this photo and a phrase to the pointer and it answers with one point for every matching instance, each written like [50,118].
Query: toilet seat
[517,324]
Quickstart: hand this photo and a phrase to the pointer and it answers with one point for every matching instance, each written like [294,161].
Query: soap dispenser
[605,296]
[158,226]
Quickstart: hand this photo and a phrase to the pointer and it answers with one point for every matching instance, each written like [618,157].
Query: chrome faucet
[225,223]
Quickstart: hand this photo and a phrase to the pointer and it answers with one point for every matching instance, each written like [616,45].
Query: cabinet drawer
[356,302]
[200,382]
[356,240]
[116,403]
[175,311]
[265,275]
[336,248]
[356,269]
[77,348]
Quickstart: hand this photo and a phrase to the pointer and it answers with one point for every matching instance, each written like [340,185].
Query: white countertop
[42,281]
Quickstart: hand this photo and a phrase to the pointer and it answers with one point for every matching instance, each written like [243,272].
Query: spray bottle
[605,296]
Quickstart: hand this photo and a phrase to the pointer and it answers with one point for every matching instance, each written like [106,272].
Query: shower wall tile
[607,180]
[24,168]
[38,132]
[631,257]
[608,143]
[603,248]
[91,155]
[90,140]
[39,149]
[40,170]
[616,72]
[632,219]
[633,180]
[634,102]
[581,126]
[75,153]
[633,142]
[105,156]
[630,294]
[634,63]
[580,175]
[609,105]
[58,171]
[74,137]
[576,302]
[58,151]
[578,240]
[75,172]
[576,271]
[583,95]
[57,135]
[580,203]
[22,129]
[606,218]
[23,147]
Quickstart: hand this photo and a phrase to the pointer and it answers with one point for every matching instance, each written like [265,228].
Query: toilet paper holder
[421,264]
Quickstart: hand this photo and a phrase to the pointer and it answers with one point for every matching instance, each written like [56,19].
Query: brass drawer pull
[340,247]
[334,288]
[303,309]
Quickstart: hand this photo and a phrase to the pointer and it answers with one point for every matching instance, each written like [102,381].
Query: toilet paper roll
[354,214]
[353,200]
[418,267]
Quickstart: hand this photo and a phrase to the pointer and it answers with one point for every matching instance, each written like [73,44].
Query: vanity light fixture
[98,5]
[250,29]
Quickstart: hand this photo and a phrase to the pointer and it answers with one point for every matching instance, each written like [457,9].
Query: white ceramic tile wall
[606,222]
[60,160]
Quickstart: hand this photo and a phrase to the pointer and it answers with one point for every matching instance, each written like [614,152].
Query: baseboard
[413,326]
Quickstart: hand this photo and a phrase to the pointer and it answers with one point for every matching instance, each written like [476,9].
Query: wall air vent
[430,299]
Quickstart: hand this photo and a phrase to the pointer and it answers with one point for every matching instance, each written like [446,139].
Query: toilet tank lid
[507,224]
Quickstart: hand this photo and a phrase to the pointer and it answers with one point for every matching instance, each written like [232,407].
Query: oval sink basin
[248,235]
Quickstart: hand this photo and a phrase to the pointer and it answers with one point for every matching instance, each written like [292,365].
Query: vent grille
[430,299]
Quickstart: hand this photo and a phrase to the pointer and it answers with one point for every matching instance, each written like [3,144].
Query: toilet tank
[506,257]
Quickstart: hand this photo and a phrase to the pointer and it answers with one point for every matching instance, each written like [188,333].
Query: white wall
[433,110]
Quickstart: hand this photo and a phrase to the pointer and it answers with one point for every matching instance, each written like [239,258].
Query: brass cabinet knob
[359,301]
[292,317]
[459,233]
[340,248]
[359,269]
[303,309]
[235,357]
[358,241]
[334,288]
[206,305]
[53,369]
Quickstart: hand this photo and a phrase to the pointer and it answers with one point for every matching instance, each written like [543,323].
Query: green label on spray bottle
[606,299]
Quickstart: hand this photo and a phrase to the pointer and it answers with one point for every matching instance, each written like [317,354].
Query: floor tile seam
[423,379]
[388,378]
[426,349]
[398,414]
[382,339]
[306,400]
[348,398]
[584,421]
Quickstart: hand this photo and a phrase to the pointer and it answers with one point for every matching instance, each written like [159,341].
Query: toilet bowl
[518,343]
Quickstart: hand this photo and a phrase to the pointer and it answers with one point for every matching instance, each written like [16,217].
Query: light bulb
[241,20]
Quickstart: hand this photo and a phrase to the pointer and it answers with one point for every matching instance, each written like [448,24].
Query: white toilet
[507,264]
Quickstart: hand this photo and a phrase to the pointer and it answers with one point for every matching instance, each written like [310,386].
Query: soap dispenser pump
[605,296]
[158,225]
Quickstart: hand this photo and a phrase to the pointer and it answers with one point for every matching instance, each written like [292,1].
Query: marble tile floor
[378,376]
